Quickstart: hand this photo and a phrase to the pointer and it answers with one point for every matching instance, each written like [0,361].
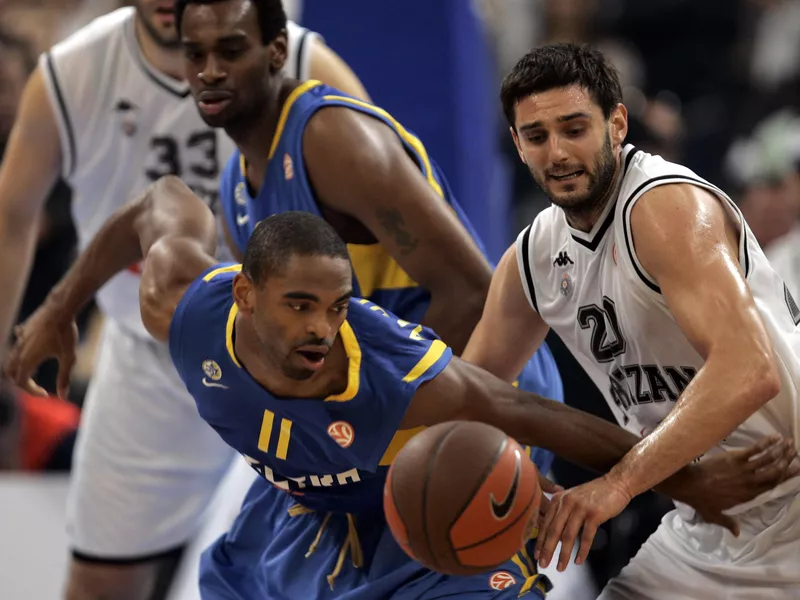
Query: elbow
[763,381]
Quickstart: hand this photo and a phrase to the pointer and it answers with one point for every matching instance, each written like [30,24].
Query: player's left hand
[585,508]
[45,334]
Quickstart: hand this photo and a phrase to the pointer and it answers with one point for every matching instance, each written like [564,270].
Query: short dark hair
[561,65]
[279,237]
[271,16]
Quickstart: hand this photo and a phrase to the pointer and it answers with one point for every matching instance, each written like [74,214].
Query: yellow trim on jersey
[376,269]
[266,431]
[407,137]
[526,573]
[283,439]
[229,334]
[229,269]
[287,106]
[353,351]
[433,354]
[400,439]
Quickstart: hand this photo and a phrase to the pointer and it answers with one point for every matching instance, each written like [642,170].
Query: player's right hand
[45,334]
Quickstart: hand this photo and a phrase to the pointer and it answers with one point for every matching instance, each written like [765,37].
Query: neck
[330,379]
[585,217]
[254,136]
[166,60]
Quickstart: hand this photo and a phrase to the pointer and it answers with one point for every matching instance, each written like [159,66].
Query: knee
[103,581]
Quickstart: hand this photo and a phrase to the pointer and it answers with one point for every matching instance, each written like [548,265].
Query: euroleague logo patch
[342,433]
[501,580]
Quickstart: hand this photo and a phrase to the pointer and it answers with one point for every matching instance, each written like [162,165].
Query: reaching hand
[46,334]
[726,479]
[584,507]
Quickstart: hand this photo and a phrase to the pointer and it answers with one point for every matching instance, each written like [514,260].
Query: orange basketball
[460,497]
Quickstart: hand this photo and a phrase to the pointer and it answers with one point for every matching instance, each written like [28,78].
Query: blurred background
[713,84]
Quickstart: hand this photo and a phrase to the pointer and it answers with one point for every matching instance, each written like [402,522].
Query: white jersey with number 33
[592,290]
[123,125]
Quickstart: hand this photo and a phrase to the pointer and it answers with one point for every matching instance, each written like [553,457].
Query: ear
[277,50]
[618,125]
[244,293]
[515,137]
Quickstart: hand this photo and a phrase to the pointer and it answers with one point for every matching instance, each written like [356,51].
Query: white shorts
[146,466]
[690,559]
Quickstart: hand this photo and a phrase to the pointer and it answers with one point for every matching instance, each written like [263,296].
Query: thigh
[146,465]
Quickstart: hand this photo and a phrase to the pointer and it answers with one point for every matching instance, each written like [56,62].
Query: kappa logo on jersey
[214,373]
[342,433]
[502,580]
[127,110]
[562,260]
[288,167]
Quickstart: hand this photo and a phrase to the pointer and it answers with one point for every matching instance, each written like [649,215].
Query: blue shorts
[265,556]
[541,376]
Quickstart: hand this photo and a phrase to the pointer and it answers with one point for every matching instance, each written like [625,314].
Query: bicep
[688,243]
[169,268]
[359,167]
[328,67]
[32,159]
[509,331]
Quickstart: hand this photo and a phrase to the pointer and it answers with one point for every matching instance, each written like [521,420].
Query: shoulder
[94,37]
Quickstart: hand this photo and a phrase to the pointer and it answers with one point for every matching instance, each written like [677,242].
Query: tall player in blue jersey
[319,390]
[309,147]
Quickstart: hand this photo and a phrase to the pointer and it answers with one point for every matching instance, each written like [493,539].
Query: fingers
[65,364]
[33,388]
[568,538]
[770,455]
[587,538]
[782,467]
[760,446]
[555,501]
[548,487]
[553,532]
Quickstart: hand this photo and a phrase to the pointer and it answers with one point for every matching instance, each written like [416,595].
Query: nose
[557,153]
[320,326]
[212,72]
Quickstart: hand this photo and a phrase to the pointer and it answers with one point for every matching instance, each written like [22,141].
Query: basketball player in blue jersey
[309,147]
[319,390]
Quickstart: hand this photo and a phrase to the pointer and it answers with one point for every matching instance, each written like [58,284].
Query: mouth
[165,13]
[567,176]
[213,102]
[313,356]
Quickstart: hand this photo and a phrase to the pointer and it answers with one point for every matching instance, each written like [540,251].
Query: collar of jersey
[287,107]
[351,348]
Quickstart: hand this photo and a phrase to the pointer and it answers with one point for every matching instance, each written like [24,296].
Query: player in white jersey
[108,110]
[652,279]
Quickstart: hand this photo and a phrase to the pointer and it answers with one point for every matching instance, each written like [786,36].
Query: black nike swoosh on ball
[501,509]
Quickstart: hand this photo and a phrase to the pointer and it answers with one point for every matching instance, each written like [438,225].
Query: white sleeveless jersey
[592,291]
[123,125]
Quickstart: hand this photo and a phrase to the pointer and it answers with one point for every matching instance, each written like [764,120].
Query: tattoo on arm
[393,223]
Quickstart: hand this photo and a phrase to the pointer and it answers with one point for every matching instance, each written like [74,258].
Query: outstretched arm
[509,331]
[167,227]
[170,229]
[359,167]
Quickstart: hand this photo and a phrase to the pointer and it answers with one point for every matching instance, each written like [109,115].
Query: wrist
[621,481]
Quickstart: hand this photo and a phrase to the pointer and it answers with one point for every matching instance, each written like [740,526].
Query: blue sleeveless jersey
[286,187]
[331,453]
[378,277]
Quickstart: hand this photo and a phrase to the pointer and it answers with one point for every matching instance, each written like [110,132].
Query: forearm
[720,397]
[453,315]
[114,248]
[17,246]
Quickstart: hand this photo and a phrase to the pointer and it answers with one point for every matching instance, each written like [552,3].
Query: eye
[192,55]
[340,309]
[536,138]
[231,53]
[575,131]
[298,306]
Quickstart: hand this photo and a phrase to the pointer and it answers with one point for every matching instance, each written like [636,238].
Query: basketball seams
[429,472]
